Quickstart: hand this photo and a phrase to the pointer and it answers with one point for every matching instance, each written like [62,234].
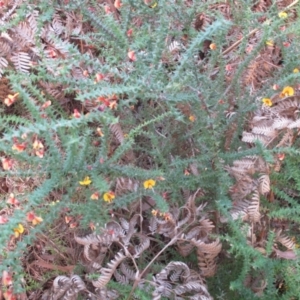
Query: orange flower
[76,114]
[131,55]
[33,218]
[11,99]
[68,219]
[192,118]
[118,4]
[73,225]
[149,184]
[109,196]
[186,172]
[92,226]
[7,164]
[107,9]
[154,212]
[40,153]
[52,53]
[95,196]
[287,91]
[99,131]
[113,105]
[20,147]
[281,156]
[6,278]
[213,46]
[37,145]
[104,100]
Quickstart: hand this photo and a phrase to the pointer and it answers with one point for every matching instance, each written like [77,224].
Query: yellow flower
[154,4]
[85,181]
[270,43]
[109,196]
[287,91]
[18,230]
[149,184]
[267,101]
[296,70]
[282,15]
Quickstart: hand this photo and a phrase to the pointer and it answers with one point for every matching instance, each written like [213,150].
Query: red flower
[76,114]
[129,32]
[6,278]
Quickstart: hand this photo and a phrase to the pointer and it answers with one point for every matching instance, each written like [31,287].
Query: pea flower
[118,4]
[19,147]
[287,91]
[282,15]
[95,196]
[85,181]
[12,200]
[109,196]
[131,55]
[296,70]
[7,278]
[76,114]
[11,99]
[18,230]
[267,101]
[7,164]
[33,218]
[149,184]
[192,118]
[213,46]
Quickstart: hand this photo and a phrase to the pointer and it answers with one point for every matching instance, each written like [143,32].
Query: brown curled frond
[106,273]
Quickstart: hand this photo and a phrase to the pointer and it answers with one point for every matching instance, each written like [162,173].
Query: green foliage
[181,119]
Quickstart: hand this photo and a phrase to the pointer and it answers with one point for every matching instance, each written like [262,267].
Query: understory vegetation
[149,149]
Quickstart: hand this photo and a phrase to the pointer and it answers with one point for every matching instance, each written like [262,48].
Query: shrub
[160,136]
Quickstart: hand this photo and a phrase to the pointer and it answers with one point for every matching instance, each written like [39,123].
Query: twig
[173,240]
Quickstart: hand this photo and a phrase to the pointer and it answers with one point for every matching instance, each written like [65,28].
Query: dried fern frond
[3,65]
[5,48]
[285,241]
[142,246]
[264,184]
[67,288]
[21,61]
[177,280]
[249,137]
[253,208]
[125,185]
[106,273]
[206,254]
[118,132]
